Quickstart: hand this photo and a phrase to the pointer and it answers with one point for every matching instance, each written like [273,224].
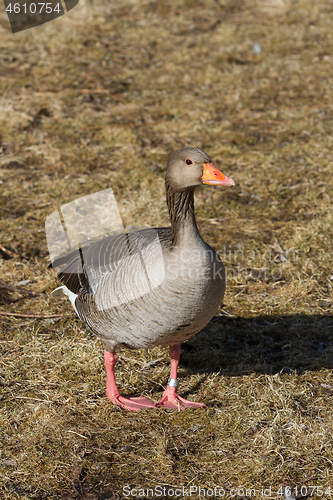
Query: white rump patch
[63,290]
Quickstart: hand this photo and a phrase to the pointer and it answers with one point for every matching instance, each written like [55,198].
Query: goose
[155,286]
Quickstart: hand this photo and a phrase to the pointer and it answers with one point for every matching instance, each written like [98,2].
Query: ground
[98,98]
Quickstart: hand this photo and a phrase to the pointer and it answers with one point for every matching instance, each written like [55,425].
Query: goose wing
[118,268]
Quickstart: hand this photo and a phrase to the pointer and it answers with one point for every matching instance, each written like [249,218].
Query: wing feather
[117,268]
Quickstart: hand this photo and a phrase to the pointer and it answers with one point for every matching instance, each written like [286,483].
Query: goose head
[191,167]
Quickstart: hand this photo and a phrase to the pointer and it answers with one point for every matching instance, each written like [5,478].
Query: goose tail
[63,290]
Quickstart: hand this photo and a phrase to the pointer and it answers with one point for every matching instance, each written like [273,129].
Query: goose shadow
[262,344]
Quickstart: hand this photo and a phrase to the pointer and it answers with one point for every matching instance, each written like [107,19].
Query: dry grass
[176,73]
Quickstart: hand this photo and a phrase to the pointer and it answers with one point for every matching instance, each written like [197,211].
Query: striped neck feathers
[181,210]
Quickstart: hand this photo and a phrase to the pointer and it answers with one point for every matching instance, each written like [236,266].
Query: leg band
[172,382]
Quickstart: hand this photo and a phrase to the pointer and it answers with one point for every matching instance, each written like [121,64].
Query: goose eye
[189,162]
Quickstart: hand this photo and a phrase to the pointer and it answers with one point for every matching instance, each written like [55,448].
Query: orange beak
[211,175]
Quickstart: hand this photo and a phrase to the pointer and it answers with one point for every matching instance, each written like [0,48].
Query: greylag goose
[154,286]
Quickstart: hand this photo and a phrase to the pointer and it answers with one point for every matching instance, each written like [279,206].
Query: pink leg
[112,392]
[171,398]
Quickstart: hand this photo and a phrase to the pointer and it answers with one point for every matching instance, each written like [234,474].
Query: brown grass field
[98,98]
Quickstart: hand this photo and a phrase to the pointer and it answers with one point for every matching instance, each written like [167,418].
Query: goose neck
[181,210]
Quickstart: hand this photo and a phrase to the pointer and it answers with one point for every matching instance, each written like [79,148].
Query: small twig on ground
[8,253]
[15,300]
[35,316]
[144,365]
[14,288]
[34,399]
[103,91]
[81,435]
[125,125]
[131,360]
[6,210]
[150,363]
